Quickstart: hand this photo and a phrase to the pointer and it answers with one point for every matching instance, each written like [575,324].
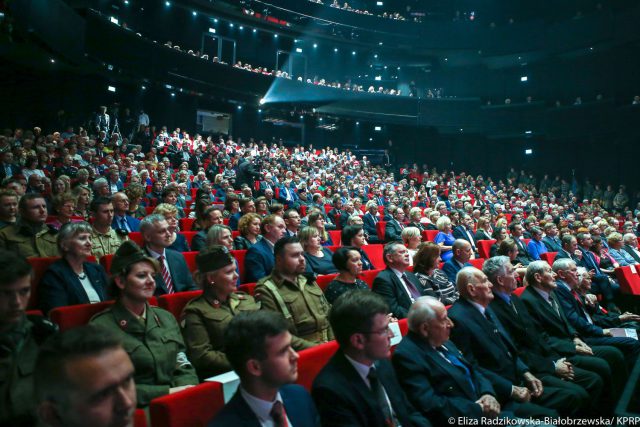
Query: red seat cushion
[239,255]
[484,248]
[550,257]
[186,223]
[336,237]
[368,276]
[429,235]
[374,252]
[324,280]
[629,281]
[381,227]
[477,263]
[190,259]
[136,236]
[175,303]
[193,407]
[312,360]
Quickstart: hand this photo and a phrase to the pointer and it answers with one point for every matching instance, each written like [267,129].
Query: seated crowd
[274,254]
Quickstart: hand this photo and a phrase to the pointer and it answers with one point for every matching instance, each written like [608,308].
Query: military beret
[127,254]
[213,258]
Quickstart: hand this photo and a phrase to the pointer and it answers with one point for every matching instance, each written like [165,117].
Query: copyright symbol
[451,420]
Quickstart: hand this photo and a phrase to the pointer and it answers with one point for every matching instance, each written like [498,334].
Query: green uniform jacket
[203,324]
[21,239]
[156,349]
[18,352]
[106,244]
[303,305]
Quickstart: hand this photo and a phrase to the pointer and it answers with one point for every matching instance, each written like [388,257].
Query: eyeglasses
[381,332]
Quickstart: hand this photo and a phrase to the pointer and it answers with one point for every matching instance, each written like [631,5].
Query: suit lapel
[401,289]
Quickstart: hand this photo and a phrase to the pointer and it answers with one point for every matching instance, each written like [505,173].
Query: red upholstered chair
[550,257]
[186,223]
[484,248]
[312,360]
[193,407]
[519,291]
[174,303]
[188,235]
[149,209]
[381,227]
[404,327]
[239,255]
[136,236]
[477,263]
[324,280]
[333,248]
[629,281]
[508,217]
[336,237]
[303,211]
[190,258]
[368,276]
[76,315]
[248,288]
[39,266]
[105,261]
[374,252]
[225,221]
[429,235]
[337,221]
[140,418]
[234,234]
[526,241]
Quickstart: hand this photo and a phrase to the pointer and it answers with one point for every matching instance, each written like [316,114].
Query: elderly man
[542,304]
[551,239]
[439,381]
[567,294]
[358,386]
[85,377]
[462,253]
[630,245]
[121,218]
[307,315]
[395,284]
[616,250]
[259,260]
[30,236]
[174,274]
[532,343]
[393,230]
[482,338]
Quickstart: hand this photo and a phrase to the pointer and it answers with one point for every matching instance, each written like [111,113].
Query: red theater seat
[381,227]
[186,223]
[312,360]
[39,266]
[105,261]
[193,407]
[239,255]
[484,248]
[190,259]
[477,263]
[429,235]
[374,252]
[324,280]
[136,236]
[140,418]
[174,303]
[248,288]
[188,235]
[72,316]
[336,237]
[629,281]
[368,276]
[519,291]
[550,257]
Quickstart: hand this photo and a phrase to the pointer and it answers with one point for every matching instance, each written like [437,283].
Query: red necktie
[279,415]
[166,276]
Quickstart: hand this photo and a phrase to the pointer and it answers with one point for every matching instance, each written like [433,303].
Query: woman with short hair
[445,238]
[249,228]
[426,264]
[317,256]
[411,237]
[347,261]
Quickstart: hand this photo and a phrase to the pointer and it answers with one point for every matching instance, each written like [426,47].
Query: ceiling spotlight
[194,13]
[239,107]
[167,3]
[315,45]
[254,31]
[335,49]
[353,53]
[275,36]
[52,60]
[241,27]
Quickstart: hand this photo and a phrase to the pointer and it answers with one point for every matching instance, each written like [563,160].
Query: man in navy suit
[246,205]
[551,239]
[462,252]
[121,219]
[395,284]
[258,346]
[370,220]
[439,381]
[174,274]
[465,231]
[358,386]
[393,231]
[259,260]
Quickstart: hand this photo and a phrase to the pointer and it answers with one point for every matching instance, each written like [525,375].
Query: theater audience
[349,264]
[426,268]
[317,257]
[444,238]
[259,260]
[354,236]
[73,279]
[411,237]
[104,239]
[249,228]
[170,214]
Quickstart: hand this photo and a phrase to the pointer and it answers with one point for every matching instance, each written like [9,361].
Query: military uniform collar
[130,323]
[108,233]
[29,229]
[280,281]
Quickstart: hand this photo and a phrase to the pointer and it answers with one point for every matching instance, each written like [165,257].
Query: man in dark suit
[174,274]
[480,336]
[7,167]
[121,219]
[461,255]
[631,246]
[465,231]
[523,257]
[531,342]
[211,216]
[370,220]
[551,239]
[395,284]
[358,386]
[247,205]
[540,299]
[393,231]
[287,195]
[570,303]
[258,346]
[259,260]
[438,380]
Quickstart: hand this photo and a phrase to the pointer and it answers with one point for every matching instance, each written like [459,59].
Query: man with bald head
[481,337]
[462,253]
[121,218]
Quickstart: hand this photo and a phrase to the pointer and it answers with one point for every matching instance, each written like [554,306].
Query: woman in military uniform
[150,335]
[205,318]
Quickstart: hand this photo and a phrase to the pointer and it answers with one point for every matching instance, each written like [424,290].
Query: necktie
[554,304]
[123,224]
[586,315]
[455,361]
[415,294]
[166,276]
[377,389]
[278,415]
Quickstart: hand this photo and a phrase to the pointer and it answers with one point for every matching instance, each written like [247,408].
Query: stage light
[370,139]
[524,78]
[379,3]
[380,44]
[528,151]
[259,110]
[231,24]
[528,132]
[143,87]
[262,101]
[255,31]
[111,88]
[335,49]
[113,20]
[194,13]
[215,20]
[167,3]
[375,56]
[275,36]
[241,27]
[353,53]
[377,128]
[53,61]
[357,123]
[315,45]
[239,107]
[126,2]
[301,117]
[398,68]
[173,94]
[212,30]
[378,78]
[298,50]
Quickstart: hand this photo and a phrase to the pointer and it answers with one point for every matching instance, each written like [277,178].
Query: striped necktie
[166,276]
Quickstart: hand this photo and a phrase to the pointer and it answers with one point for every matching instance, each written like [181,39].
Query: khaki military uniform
[204,321]
[303,305]
[18,352]
[106,244]
[23,240]
[155,346]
